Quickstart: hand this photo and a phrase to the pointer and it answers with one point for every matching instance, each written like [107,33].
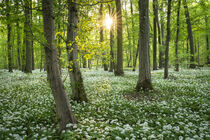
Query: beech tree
[63,109]
[119,66]
[190,34]
[78,90]
[167,40]
[144,79]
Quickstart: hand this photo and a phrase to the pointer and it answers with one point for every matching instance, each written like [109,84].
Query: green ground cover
[178,108]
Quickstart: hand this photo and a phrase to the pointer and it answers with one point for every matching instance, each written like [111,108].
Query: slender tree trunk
[144,79]
[207,41]
[102,36]
[155,35]
[28,37]
[78,90]
[111,64]
[63,110]
[189,30]
[133,35]
[89,64]
[32,41]
[159,29]
[18,45]
[167,40]
[119,66]
[84,62]
[177,38]
[9,45]
[161,52]
[135,59]
[18,37]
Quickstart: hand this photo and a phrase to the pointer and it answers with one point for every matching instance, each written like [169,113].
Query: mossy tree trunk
[77,85]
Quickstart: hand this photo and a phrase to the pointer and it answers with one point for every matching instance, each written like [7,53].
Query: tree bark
[9,45]
[63,110]
[78,90]
[177,38]
[167,40]
[111,64]
[207,41]
[144,79]
[190,35]
[155,35]
[129,37]
[28,37]
[135,59]
[102,37]
[161,52]
[119,66]
[133,36]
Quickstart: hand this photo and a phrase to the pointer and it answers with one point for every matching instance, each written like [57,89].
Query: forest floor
[178,108]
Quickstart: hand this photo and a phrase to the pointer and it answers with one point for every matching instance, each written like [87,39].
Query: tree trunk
[133,33]
[9,45]
[207,41]
[144,81]
[135,59]
[155,35]
[129,38]
[111,64]
[167,40]
[177,38]
[102,37]
[198,52]
[161,52]
[78,90]
[18,45]
[119,66]
[64,112]
[190,35]
[28,37]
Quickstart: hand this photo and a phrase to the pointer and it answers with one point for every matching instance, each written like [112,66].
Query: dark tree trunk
[28,37]
[144,79]
[155,35]
[18,45]
[207,41]
[18,37]
[167,40]
[161,52]
[89,63]
[190,35]
[84,62]
[111,64]
[159,31]
[136,56]
[119,66]
[9,45]
[78,90]
[198,52]
[102,37]
[177,38]
[64,112]
[133,35]
[129,38]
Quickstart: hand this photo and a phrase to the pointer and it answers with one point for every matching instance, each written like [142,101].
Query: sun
[108,22]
